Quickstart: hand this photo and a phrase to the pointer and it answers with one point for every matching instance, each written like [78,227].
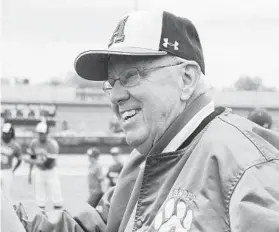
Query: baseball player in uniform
[96,177]
[46,151]
[10,149]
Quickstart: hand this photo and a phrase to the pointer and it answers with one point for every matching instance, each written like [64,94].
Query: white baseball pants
[47,180]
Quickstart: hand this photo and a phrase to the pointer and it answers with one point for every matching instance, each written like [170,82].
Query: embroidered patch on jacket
[182,194]
[175,216]
[178,212]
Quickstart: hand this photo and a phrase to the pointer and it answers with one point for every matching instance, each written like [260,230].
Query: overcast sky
[41,38]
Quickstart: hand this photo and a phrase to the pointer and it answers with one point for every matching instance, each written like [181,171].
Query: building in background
[88,110]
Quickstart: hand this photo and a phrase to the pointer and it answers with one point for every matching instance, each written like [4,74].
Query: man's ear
[190,77]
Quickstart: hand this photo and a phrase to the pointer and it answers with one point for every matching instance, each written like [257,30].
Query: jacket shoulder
[233,150]
[240,128]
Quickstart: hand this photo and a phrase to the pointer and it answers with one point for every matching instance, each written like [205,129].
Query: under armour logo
[166,43]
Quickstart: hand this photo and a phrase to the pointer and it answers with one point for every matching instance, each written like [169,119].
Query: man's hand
[41,159]
[41,155]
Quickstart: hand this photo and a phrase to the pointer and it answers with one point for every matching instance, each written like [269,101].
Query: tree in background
[246,83]
[14,81]
[55,81]
[25,81]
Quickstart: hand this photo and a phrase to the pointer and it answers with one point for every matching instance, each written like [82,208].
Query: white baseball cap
[114,150]
[41,128]
[144,33]
[6,127]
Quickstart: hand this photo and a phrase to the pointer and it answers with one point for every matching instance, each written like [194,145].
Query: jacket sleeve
[95,219]
[254,204]
[88,219]
[9,220]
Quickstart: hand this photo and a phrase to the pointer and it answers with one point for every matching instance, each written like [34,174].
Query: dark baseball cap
[144,33]
[261,117]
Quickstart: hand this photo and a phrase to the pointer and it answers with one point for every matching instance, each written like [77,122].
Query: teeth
[128,114]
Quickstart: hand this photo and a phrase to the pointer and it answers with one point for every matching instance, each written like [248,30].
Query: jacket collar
[189,128]
[182,120]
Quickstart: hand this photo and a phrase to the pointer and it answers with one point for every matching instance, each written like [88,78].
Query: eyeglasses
[130,77]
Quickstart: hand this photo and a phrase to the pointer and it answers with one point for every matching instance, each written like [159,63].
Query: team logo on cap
[118,34]
[167,43]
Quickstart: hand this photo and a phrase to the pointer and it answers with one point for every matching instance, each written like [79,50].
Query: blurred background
[41,39]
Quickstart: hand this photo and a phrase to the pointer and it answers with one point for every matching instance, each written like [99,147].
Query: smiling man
[202,168]
[195,167]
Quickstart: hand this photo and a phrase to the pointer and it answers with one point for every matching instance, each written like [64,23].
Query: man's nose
[118,93]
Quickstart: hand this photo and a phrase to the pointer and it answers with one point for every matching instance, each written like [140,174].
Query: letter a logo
[118,34]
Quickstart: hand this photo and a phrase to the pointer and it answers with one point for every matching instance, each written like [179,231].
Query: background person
[10,150]
[46,152]
[115,169]
[96,177]
[261,117]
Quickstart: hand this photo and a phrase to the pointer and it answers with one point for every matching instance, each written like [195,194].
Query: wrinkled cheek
[157,116]
[157,109]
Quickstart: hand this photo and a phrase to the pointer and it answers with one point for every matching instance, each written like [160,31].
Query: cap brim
[92,65]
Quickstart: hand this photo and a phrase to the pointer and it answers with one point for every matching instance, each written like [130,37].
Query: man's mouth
[126,115]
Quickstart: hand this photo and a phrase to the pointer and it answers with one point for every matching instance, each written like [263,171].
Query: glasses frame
[108,90]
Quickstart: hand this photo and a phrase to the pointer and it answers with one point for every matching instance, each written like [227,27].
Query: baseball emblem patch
[176,216]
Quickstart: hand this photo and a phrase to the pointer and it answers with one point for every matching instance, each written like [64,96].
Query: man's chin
[133,141]
[138,141]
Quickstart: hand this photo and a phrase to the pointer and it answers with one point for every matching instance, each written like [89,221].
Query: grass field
[74,190]
[73,178]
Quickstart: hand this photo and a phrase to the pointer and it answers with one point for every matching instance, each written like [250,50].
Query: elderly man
[194,167]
